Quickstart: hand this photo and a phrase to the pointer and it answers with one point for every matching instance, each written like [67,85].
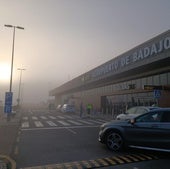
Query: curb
[6,162]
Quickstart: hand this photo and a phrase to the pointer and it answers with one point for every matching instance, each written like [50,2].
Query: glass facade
[120,96]
[116,98]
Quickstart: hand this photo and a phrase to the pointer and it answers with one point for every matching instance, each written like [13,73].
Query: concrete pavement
[8,133]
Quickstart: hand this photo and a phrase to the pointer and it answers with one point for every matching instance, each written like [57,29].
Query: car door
[145,131]
[164,139]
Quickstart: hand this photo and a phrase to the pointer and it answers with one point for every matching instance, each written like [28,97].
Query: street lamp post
[8,107]
[14,27]
[19,90]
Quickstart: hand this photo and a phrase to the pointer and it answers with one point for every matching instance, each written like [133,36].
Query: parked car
[68,108]
[148,131]
[134,112]
[59,107]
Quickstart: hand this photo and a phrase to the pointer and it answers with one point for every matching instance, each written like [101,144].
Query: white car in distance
[134,112]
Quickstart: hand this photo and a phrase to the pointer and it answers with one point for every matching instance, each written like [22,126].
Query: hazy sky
[65,38]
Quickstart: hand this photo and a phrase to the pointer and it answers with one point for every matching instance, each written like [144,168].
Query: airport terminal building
[140,76]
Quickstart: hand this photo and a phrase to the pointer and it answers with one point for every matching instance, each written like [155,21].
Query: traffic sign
[157,94]
[8,109]
[8,102]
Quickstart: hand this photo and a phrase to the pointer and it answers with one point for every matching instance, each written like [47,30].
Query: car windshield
[69,66]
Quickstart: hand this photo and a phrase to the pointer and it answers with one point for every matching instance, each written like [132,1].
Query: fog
[65,38]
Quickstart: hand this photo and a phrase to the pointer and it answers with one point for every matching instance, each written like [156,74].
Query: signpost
[8,102]
[157,95]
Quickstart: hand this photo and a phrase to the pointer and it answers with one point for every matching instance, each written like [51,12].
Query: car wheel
[114,141]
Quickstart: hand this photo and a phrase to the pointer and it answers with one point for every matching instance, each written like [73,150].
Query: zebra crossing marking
[52,117]
[34,118]
[85,122]
[64,123]
[25,118]
[103,121]
[51,123]
[25,124]
[56,121]
[38,124]
[69,117]
[74,122]
[61,117]
[98,122]
[43,117]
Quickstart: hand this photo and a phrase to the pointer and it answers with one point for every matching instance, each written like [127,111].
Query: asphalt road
[50,139]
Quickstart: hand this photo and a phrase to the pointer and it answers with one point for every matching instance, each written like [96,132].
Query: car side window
[150,117]
[158,116]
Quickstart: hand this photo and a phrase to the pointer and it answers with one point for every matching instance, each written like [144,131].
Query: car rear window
[131,110]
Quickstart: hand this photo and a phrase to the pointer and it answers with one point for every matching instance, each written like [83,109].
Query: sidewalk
[8,133]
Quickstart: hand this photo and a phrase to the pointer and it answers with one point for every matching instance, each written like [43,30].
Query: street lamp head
[19,27]
[8,26]
[11,26]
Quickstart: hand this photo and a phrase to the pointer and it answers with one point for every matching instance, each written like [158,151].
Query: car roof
[163,109]
[145,107]
[153,107]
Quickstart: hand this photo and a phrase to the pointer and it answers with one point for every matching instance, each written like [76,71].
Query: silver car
[134,112]
[68,108]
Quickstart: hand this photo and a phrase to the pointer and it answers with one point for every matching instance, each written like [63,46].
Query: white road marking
[38,124]
[61,117]
[57,128]
[52,117]
[34,118]
[25,118]
[98,122]
[43,117]
[64,123]
[25,124]
[101,120]
[74,122]
[70,130]
[51,123]
[69,117]
[86,122]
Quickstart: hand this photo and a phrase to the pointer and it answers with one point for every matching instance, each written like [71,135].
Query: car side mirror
[132,121]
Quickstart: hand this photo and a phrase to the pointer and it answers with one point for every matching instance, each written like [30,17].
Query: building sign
[138,55]
[153,87]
